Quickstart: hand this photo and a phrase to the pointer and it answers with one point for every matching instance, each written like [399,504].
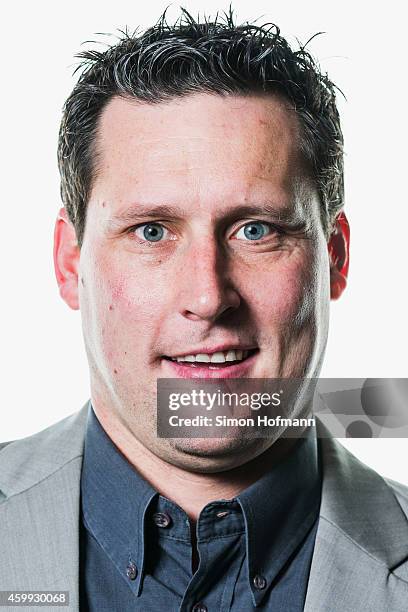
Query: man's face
[203,236]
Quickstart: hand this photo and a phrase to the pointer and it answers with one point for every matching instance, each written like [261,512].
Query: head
[202,180]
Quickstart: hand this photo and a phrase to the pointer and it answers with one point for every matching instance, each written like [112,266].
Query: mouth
[231,363]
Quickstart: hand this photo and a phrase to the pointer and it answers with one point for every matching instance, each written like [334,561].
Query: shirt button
[259,582]
[222,514]
[131,571]
[199,607]
[162,519]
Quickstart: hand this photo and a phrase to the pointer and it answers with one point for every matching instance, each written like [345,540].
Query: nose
[206,293]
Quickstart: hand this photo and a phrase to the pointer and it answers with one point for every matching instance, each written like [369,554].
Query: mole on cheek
[115,371]
[111,307]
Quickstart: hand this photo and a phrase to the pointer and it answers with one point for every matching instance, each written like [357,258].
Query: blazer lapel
[40,511]
[359,561]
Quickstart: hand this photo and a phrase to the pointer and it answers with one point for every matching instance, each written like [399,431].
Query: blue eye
[152,232]
[254,230]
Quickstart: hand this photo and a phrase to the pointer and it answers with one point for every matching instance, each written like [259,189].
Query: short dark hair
[187,57]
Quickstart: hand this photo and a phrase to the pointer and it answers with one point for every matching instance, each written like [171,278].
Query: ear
[66,259]
[338,246]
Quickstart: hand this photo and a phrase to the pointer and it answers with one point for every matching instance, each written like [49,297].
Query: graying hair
[187,57]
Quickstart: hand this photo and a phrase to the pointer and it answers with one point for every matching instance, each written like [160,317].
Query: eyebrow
[136,212]
[139,212]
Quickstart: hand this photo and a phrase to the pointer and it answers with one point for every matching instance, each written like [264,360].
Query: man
[202,236]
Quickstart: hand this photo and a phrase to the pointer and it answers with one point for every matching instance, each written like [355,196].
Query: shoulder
[27,461]
[345,474]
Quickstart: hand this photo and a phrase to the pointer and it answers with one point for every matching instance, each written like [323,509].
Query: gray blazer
[360,561]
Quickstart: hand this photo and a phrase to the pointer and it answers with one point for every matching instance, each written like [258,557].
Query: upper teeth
[219,357]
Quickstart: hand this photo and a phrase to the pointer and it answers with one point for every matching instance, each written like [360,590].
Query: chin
[214,454]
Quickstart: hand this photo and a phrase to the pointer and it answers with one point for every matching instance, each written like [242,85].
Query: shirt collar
[280,510]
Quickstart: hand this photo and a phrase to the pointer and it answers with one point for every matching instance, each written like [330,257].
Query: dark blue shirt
[254,550]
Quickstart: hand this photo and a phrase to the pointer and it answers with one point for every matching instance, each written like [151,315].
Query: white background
[44,370]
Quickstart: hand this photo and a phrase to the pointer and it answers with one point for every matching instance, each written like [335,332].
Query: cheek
[123,306]
[285,294]
[119,286]
[135,297]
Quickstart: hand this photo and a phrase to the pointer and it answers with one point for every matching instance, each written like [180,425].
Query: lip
[176,369]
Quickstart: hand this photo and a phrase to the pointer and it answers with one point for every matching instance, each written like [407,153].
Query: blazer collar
[39,510]
[361,504]
[359,559]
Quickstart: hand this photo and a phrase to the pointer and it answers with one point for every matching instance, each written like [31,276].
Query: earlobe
[66,259]
[338,246]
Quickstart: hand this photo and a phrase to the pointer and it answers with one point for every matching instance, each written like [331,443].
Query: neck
[190,490]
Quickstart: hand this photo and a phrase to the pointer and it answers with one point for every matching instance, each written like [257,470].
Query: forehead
[204,148]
